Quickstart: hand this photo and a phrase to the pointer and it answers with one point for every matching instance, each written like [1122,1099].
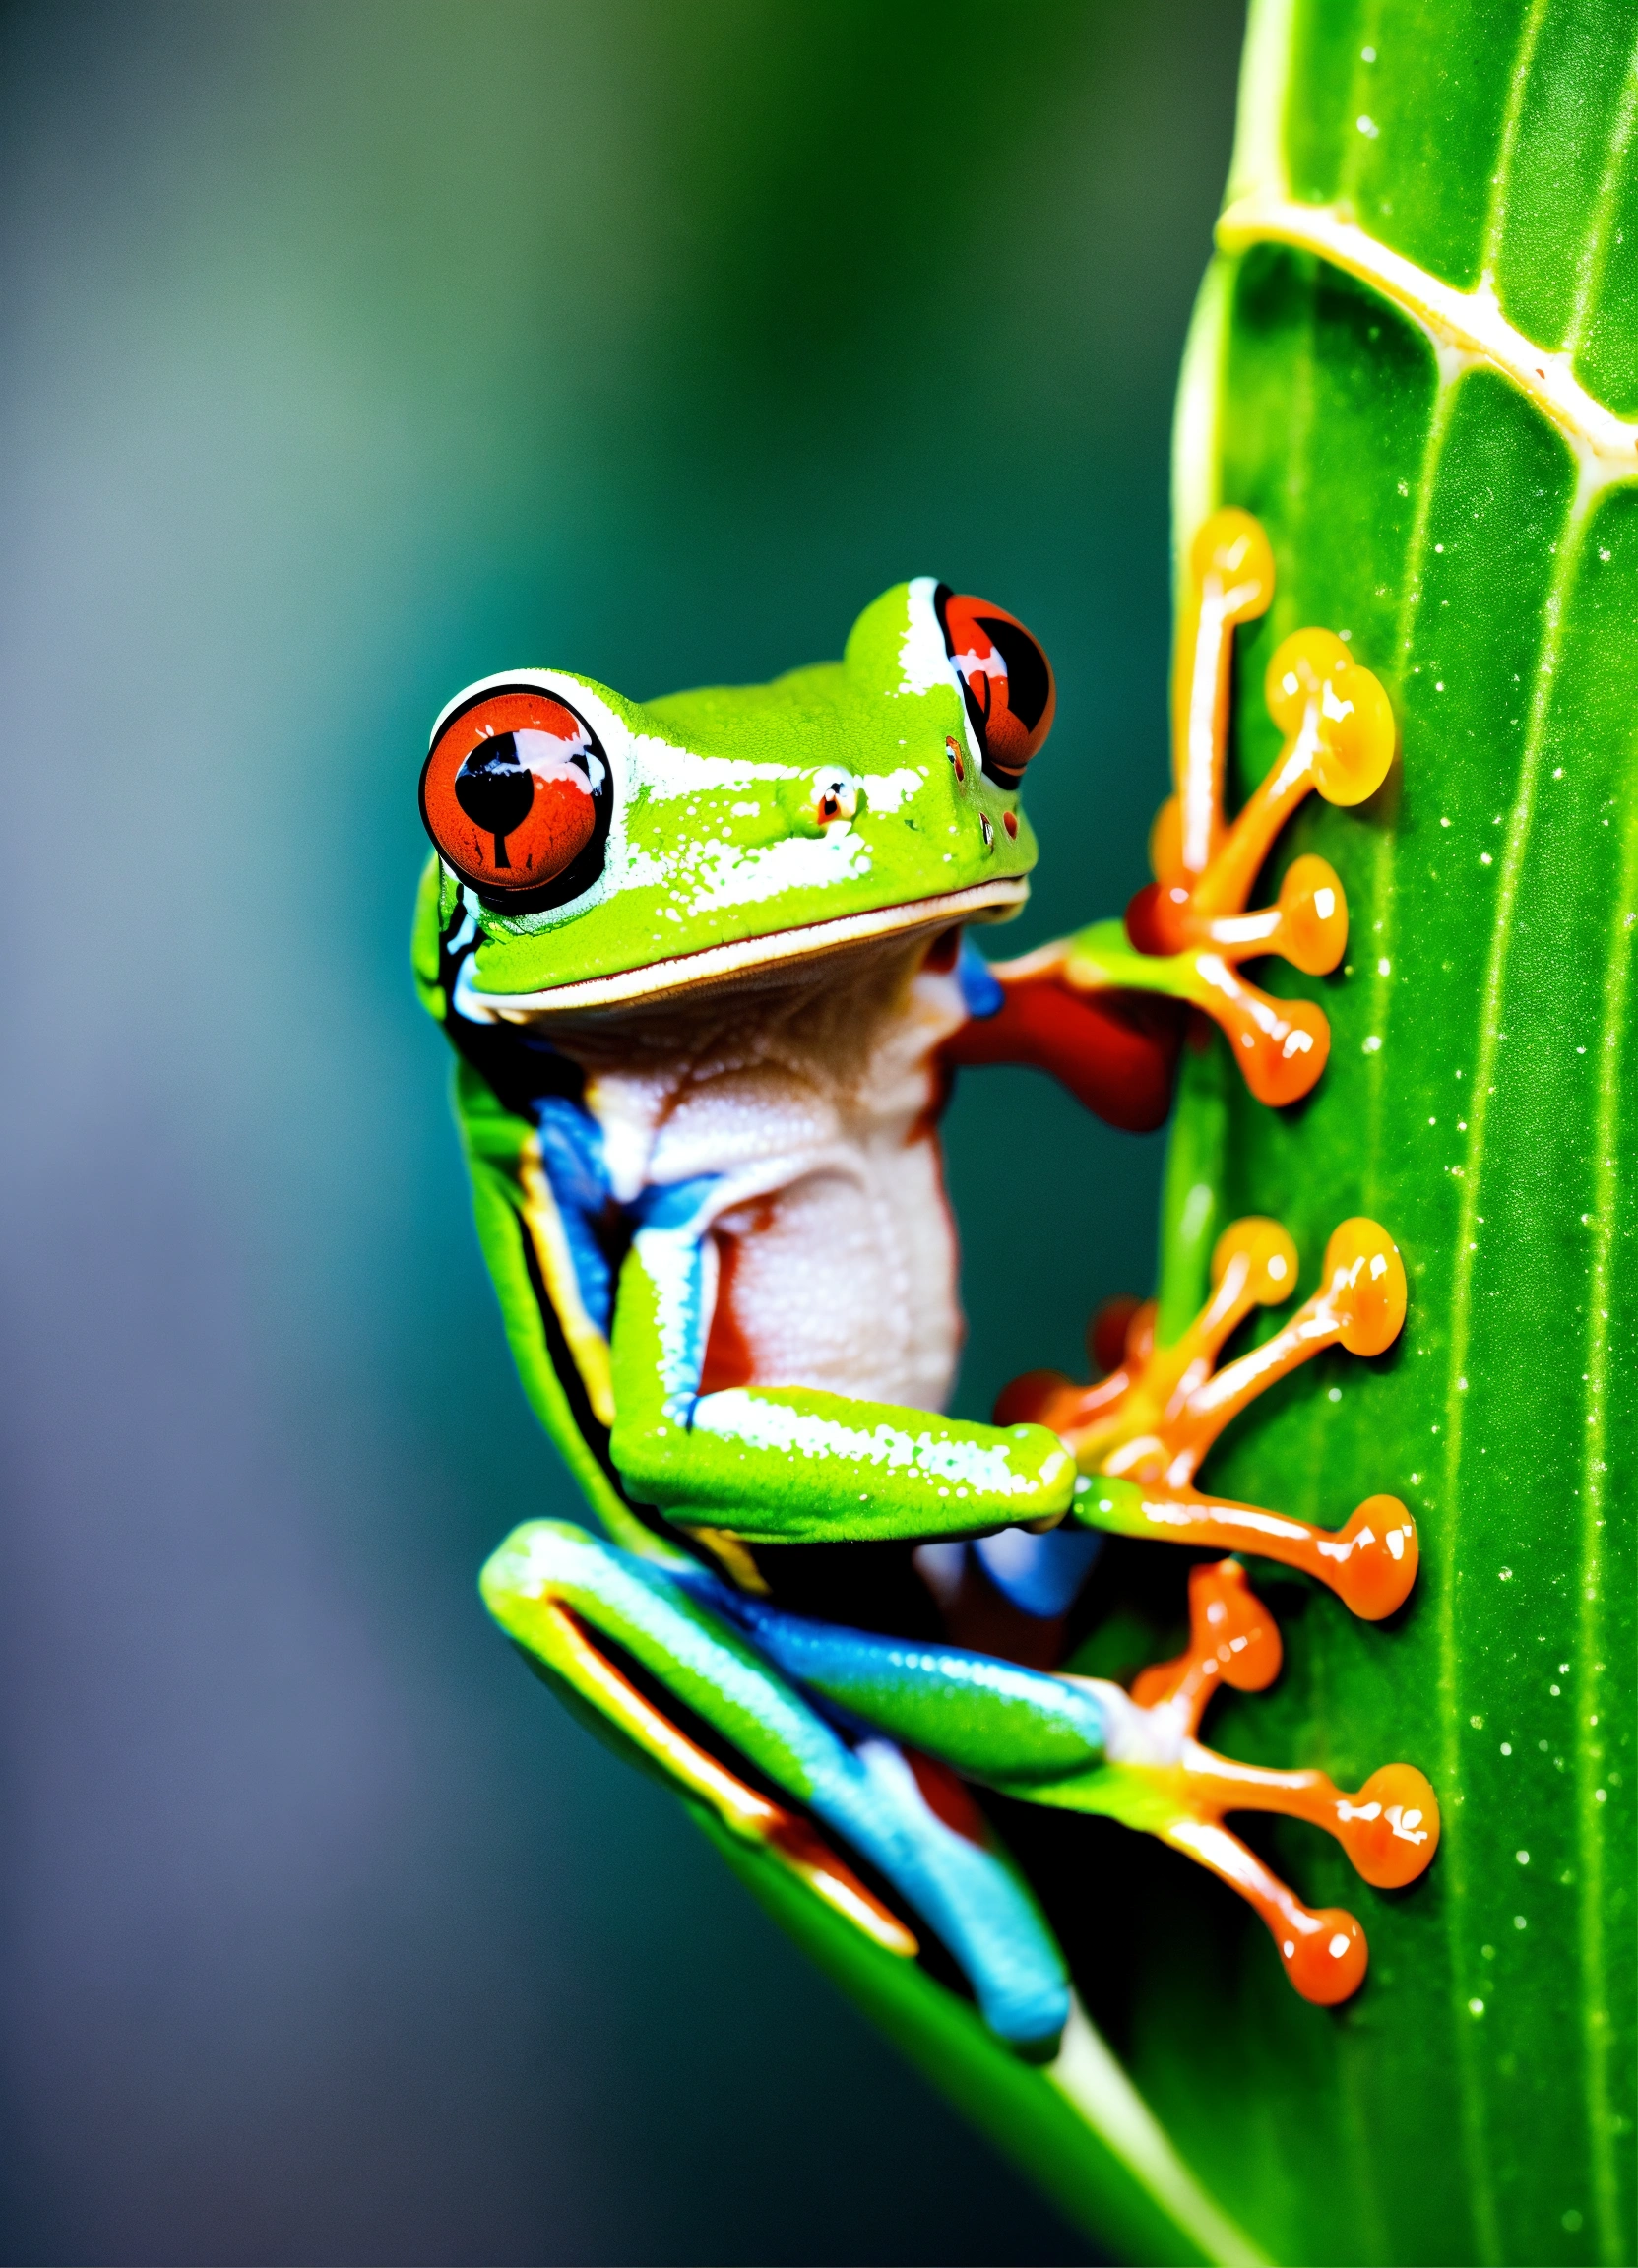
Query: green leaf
[1412,362]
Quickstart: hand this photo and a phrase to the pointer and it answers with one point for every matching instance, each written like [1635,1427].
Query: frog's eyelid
[553,684]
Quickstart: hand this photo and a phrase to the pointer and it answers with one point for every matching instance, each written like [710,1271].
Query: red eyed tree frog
[708,964]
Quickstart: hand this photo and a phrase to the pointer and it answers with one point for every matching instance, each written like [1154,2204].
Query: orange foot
[1159,1778]
[1139,1435]
[1339,738]
[1187,933]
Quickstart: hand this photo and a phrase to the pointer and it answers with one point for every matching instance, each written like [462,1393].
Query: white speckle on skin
[730,874]
[644,871]
[923,660]
[887,790]
[662,773]
[741,1414]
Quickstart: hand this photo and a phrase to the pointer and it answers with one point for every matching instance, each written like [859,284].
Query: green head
[607,851]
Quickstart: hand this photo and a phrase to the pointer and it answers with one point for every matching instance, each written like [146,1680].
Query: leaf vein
[1466,327]
[1495,220]
[1595,252]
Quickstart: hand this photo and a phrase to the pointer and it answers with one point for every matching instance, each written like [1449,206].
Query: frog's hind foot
[1338,736]
[1140,1434]
[1179,1791]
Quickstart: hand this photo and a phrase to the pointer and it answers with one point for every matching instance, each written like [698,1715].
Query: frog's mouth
[748,960]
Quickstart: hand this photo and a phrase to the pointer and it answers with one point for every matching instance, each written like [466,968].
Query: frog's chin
[755,960]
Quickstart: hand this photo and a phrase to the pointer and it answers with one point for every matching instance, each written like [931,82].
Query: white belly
[845,1280]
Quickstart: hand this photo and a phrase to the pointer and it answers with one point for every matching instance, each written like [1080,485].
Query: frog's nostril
[495,790]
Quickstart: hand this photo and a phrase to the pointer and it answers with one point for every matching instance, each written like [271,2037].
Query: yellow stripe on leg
[745,1813]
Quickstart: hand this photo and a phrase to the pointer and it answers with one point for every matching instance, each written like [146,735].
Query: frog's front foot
[1189,933]
[1140,1434]
[1159,1779]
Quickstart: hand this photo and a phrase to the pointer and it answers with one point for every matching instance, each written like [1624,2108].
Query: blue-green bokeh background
[353,351]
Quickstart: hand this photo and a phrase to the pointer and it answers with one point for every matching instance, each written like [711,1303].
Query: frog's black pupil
[1029,680]
[495,790]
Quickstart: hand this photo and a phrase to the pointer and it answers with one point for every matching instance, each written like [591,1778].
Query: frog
[709,966]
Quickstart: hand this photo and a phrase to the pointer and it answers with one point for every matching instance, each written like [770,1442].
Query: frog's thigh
[990,1719]
[556,1590]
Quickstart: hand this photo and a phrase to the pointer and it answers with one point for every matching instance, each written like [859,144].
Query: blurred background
[351,351]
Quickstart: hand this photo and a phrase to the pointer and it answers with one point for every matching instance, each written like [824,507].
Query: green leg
[556,1590]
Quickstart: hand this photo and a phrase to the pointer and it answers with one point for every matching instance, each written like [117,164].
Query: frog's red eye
[513,790]
[1006,681]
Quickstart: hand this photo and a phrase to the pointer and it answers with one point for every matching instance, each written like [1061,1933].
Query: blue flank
[576,1166]
[572,1153]
[671,1243]
[676,1205]
[980,987]
[1041,1574]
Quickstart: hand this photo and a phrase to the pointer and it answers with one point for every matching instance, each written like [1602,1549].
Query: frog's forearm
[793,1465]
[1118,1066]
[785,1465]
[1102,959]
[1280,1043]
